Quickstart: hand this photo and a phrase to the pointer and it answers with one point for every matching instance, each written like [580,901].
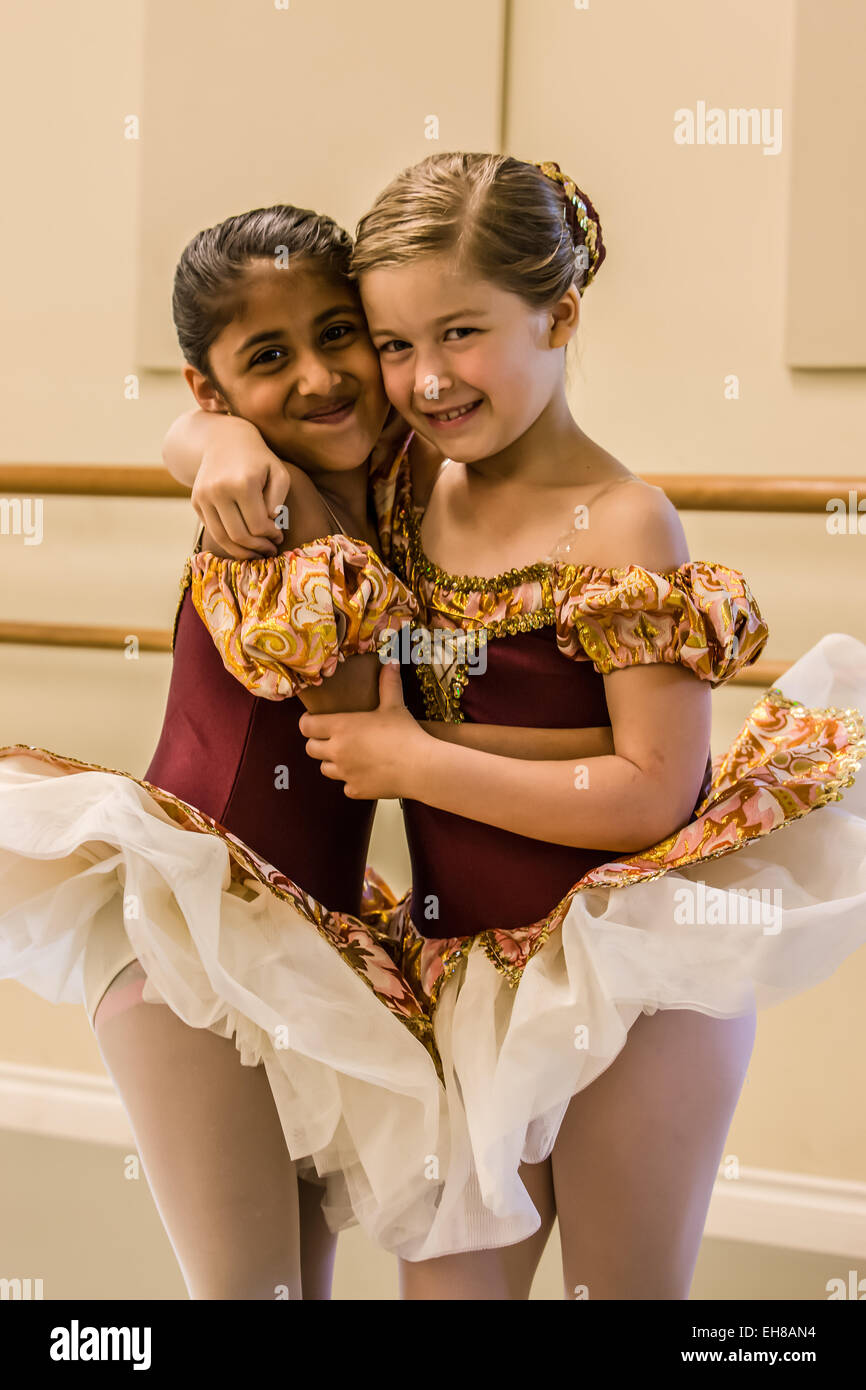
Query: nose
[315,376]
[432,375]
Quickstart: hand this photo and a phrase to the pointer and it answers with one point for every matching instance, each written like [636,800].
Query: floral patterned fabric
[287,621]
[701,615]
[284,623]
[786,761]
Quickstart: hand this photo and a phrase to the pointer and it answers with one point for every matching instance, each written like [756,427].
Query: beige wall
[693,289]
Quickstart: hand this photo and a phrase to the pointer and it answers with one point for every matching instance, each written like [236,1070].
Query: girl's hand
[238,488]
[378,754]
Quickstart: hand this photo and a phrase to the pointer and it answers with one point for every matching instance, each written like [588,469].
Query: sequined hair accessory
[584,218]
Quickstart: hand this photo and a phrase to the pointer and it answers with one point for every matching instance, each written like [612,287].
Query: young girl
[226,884]
[578,923]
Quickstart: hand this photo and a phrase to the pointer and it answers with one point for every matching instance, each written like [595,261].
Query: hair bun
[582,220]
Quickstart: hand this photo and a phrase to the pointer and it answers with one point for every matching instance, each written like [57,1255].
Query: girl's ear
[206,394]
[564,318]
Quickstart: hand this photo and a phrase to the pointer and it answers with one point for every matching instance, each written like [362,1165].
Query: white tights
[241,1224]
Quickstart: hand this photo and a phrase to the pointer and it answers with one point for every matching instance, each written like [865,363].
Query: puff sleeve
[284,622]
[701,615]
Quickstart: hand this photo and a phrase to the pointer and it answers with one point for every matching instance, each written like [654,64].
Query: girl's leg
[318,1244]
[521,1261]
[638,1153]
[502,1274]
[211,1145]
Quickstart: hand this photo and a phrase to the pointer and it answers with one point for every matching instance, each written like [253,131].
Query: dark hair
[207,277]
[506,219]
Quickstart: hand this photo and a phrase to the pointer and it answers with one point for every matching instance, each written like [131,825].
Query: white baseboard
[794,1211]
[62,1105]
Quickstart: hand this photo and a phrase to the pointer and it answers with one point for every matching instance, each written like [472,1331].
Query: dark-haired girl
[256,1028]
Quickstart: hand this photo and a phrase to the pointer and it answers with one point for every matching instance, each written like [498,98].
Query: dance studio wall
[235,110]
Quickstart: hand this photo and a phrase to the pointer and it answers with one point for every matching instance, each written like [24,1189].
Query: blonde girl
[594,1018]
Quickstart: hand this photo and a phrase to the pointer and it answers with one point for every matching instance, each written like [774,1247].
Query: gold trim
[185,581]
[461,583]
[444,704]
[540,569]
[848,761]
[319,540]
[449,965]
[420,1025]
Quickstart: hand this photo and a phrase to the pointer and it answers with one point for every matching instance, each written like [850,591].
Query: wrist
[220,426]
[419,765]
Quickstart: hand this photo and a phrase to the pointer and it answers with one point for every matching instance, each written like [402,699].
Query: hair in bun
[525,227]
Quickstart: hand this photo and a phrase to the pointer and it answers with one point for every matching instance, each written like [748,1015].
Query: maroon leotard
[220,749]
[468,877]
[484,877]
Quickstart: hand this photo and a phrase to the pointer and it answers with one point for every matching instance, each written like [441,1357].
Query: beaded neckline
[508,579]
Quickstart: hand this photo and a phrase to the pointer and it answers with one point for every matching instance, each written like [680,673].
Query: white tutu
[343,1014]
[515,1056]
[357,1093]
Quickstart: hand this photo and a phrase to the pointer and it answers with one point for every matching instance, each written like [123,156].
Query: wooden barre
[88,480]
[729,492]
[150,639]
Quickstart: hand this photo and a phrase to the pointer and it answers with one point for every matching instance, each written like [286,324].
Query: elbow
[656,812]
[666,813]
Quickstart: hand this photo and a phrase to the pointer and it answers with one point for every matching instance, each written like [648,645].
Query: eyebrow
[270,334]
[437,323]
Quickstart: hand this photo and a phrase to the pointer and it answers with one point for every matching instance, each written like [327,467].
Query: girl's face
[297,362]
[469,365]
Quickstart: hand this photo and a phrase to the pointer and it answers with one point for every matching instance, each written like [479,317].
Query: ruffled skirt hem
[412,1077]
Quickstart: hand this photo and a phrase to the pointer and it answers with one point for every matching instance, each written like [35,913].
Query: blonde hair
[510,222]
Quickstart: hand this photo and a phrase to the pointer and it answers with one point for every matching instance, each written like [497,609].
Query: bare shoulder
[635,523]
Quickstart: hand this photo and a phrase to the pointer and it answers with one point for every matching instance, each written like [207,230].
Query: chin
[344,460]
[472,452]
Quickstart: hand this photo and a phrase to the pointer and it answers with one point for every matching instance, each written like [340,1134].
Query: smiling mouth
[454,414]
[332,414]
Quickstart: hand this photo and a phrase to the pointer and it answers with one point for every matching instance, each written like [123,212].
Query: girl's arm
[660,719]
[512,742]
[354,684]
[628,799]
[644,791]
[237,482]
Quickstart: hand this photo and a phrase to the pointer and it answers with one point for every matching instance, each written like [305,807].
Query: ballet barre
[730,492]
[723,492]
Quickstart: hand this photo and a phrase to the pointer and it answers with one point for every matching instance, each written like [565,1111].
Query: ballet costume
[539,957]
[415,1061]
[236,874]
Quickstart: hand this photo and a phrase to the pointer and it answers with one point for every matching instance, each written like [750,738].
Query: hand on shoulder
[240,484]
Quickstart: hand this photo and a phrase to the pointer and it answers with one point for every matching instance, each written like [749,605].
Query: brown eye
[340,329]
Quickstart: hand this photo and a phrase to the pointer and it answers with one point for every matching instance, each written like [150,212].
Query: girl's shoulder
[626,522]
